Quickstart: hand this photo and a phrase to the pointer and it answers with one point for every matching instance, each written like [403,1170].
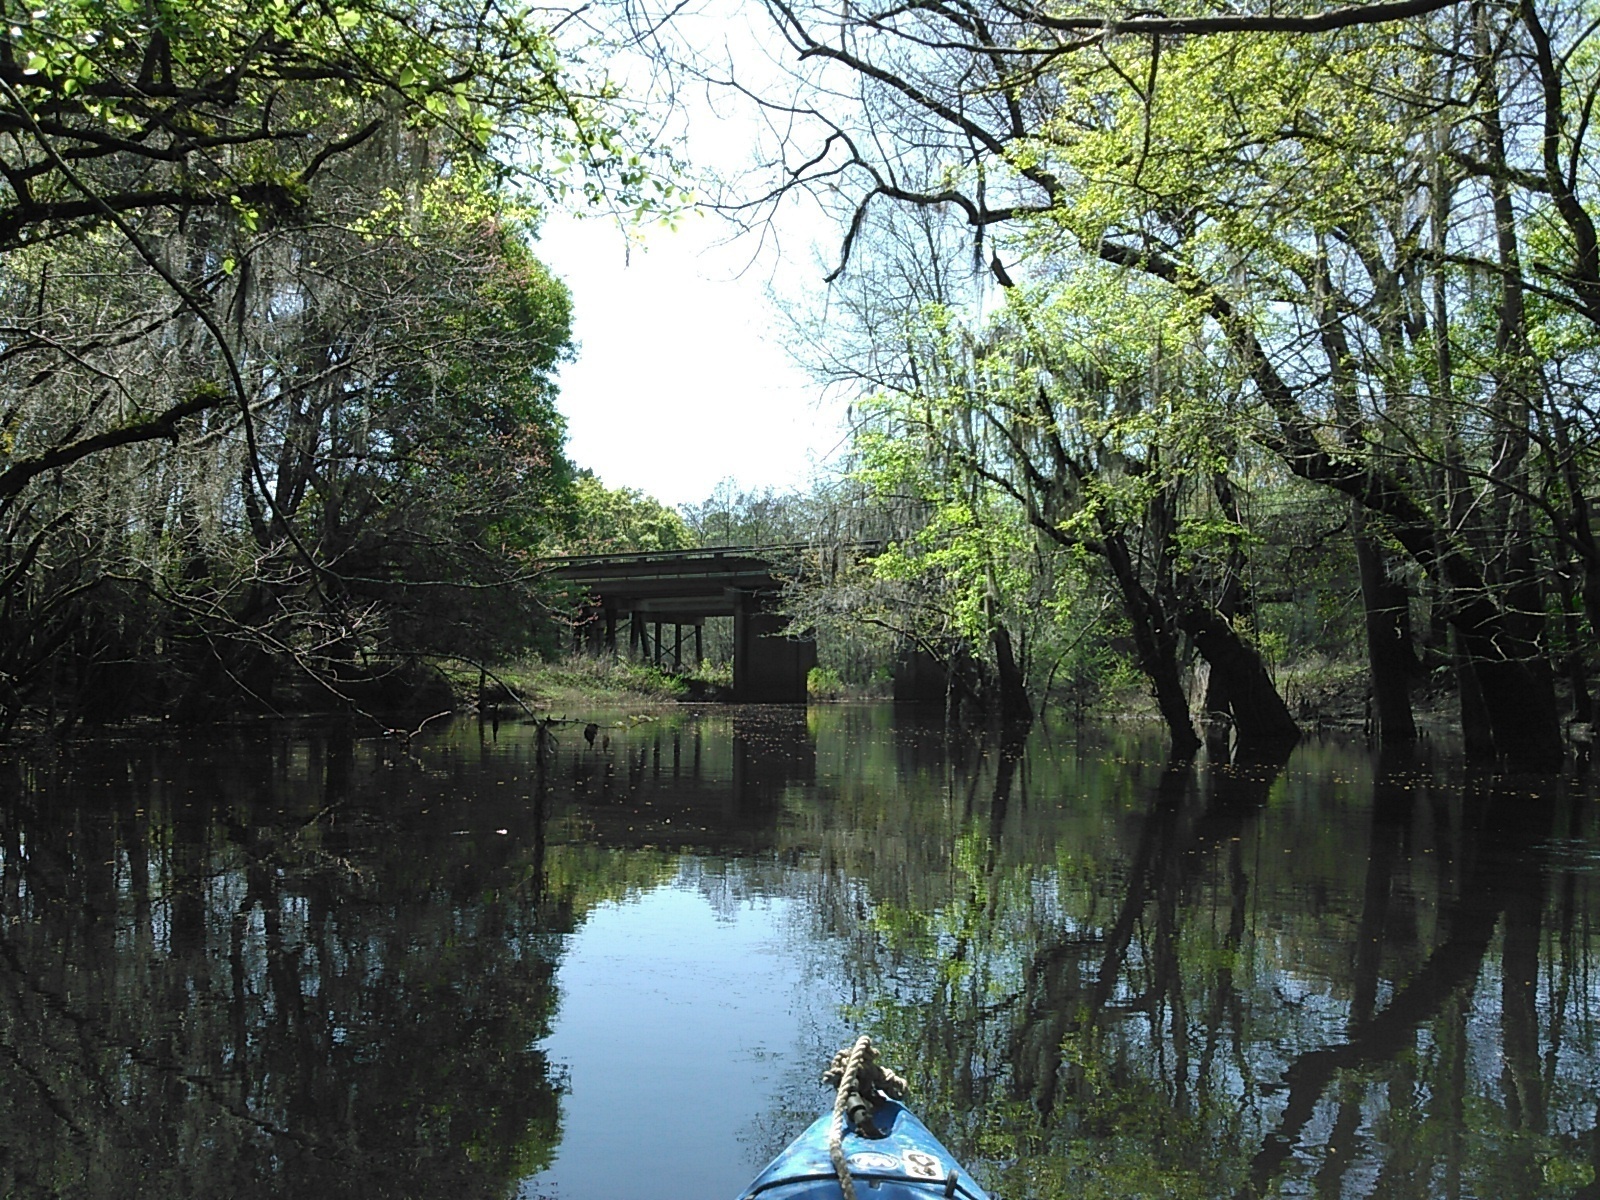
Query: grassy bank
[580,682]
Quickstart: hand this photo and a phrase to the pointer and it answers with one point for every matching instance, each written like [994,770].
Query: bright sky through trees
[682,378]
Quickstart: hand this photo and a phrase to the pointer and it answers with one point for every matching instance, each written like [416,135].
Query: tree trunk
[1155,641]
[1218,699]
[1520,706]
[1477,733]
[1516,665]
[1259,713]
[1014,706]
[1389,656]
[1232,601]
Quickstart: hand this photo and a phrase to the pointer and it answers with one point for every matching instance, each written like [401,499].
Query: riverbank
[1322,694]
[578,683]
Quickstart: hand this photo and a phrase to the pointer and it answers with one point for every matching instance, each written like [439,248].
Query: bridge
[651,592]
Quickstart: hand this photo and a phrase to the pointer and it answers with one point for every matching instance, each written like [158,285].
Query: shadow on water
[1506,822]
[304,964]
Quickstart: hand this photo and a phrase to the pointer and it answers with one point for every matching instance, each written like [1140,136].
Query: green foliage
[612,520]
[718,674]
[582,681]
[823,683]
[282,345]
[261,93]
[451,466]
[1083,418]
[1362,256]
[732,517]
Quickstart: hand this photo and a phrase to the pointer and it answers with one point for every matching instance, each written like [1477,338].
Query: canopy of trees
[277,361]
[1144,286]
[614,520]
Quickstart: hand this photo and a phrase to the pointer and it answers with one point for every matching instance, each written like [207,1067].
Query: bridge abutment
[769,667]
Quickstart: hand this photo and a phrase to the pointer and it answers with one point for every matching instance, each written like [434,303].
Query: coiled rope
[862,1085]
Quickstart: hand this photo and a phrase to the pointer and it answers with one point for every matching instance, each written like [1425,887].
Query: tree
[960,586]
[403,413]
[279,356]
[1089,406]
[731,516]
[143,120]
[1279,175]
[620,520]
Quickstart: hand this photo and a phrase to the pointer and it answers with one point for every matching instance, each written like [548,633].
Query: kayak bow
[887,1155]
[907,1163]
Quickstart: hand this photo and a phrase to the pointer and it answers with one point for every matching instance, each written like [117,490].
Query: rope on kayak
[862,1085]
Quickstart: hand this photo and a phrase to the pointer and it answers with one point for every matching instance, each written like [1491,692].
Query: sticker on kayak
[872,1160]
[923,1166]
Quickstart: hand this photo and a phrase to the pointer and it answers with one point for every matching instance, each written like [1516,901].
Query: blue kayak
[906,1163]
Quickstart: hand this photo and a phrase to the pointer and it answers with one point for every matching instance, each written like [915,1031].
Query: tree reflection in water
[1339,976]
[221,975]
[301,964]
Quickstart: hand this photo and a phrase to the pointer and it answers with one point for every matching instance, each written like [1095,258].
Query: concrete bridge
[677,590]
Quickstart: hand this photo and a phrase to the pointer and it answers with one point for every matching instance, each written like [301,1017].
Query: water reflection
[1253,981]
[221,974]
[302,962]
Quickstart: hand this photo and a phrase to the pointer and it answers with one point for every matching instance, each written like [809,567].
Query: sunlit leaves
[1235,134]
[203,99]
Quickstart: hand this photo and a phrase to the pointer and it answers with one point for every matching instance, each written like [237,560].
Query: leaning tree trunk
[1239,678]
[1519,702]
[1155,639]
[1259,714]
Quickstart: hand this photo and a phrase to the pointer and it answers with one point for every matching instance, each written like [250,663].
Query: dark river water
[296,962]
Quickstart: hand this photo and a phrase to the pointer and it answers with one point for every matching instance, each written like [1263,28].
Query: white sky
[682,379]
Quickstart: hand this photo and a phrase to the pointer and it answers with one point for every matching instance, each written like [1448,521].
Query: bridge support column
[768,668]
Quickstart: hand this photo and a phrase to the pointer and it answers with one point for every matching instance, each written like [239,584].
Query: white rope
[841,1101]
[863,1086]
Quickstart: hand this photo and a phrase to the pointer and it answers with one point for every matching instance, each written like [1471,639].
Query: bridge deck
[703,582]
